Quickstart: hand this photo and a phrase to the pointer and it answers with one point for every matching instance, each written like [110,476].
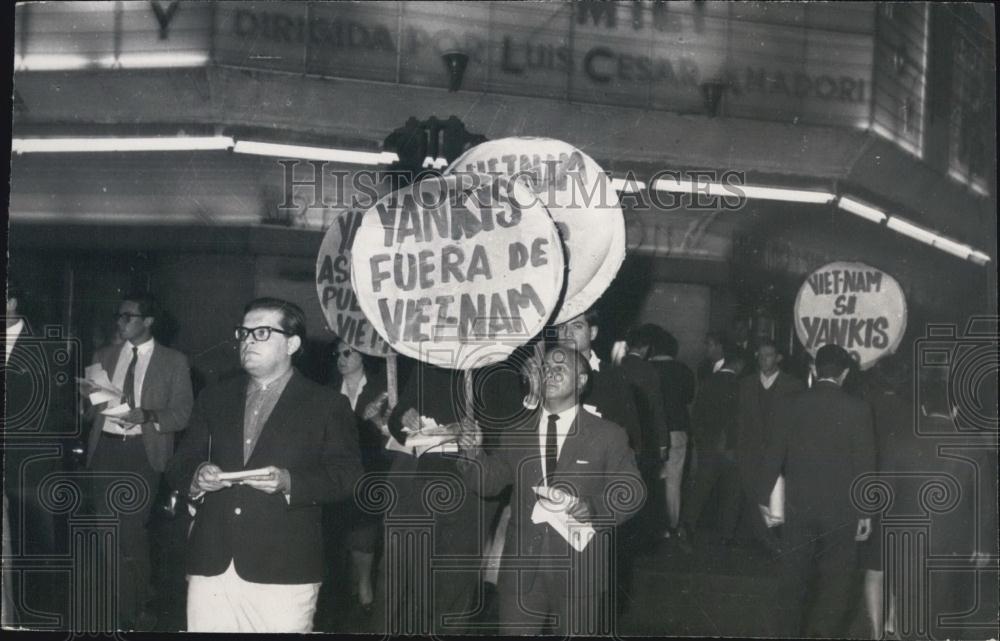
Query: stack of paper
[117,411]
[102,389]
[553,508]
[395,446]
[430,436]
[238,477]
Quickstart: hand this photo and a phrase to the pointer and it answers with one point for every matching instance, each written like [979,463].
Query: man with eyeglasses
[156,385]
[255,561]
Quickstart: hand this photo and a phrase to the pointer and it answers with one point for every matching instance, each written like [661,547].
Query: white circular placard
[579,197]
[458,271]
[854,305]
[336,294]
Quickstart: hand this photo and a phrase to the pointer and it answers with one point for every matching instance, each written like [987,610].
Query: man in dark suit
[608,394]
[255,560]
[544,581]
[156,383]
[645,384]
[824,440]
[38,430]
[715,355]
[714,431]
[760,394]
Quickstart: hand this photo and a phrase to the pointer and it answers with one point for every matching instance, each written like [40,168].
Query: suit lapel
[227,444]
[575,442]
[150,378]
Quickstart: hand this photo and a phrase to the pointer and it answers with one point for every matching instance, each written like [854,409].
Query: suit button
[238,511]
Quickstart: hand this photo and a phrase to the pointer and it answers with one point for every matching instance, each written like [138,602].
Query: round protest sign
[336,295]
[579,198]
[853,305]
[457,271]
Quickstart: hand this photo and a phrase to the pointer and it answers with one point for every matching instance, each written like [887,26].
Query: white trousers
[227,603]
[674,475]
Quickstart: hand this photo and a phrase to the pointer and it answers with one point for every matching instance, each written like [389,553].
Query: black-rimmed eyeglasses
[260,334]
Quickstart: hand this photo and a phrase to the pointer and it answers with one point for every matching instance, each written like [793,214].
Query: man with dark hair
[255,560]
[156,386]
[607,393]
[824,440]
[545,583]
[714,430]
[760,396]
[715,355]
[677,391]
[645,383]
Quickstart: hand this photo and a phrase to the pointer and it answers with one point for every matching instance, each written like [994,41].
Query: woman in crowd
[363,382]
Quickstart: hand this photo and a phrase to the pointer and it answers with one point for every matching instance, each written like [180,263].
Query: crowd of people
[280,476]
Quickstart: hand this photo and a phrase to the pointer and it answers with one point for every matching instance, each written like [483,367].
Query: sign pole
[392,378]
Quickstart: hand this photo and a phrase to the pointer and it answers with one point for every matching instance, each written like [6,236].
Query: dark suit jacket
[824,439]
[39,389]
[166,388]
[756,418]
[370,438]
[677,390]
[39,426]
[611,395]
[595,460]
[438,393]
[645,383]
[312,434]
[713,418]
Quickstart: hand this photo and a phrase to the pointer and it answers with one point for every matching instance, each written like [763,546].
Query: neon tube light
[861,209]
[89,145]
[314,153]
[744,191]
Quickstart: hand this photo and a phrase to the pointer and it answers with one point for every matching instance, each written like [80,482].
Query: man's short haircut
[768,342]
[293,319]
[593,317]
[149,307]
[642,336]
[831,361]
[665,344]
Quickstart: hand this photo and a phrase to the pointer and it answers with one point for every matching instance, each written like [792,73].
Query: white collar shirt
[768,381]
[13,332]
[144,352]
[718,365]
[563,425]
[353,398]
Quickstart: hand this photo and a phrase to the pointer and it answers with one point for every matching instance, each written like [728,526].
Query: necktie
[128,395]
[551,449]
